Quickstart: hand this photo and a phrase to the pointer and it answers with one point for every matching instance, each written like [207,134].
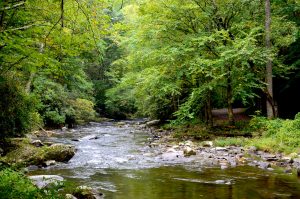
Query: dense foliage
[16,185]
[184,58]
[64,62]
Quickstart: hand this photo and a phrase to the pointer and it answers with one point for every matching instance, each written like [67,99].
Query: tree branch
[20,28]
[13,6]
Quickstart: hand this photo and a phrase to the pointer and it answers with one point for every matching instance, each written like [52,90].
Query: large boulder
[25,154]
[46,181]
[59,152]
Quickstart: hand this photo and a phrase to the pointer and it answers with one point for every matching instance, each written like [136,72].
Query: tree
[269,74]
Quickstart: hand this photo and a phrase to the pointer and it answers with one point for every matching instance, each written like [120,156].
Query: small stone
[188,151]
[153,123]
[270,157]
[75,140]
[207,144]
[37,143]
[221,149]
[94,138]
[189,143]
[263,165]
[252,149]
[286,159]
[49,163]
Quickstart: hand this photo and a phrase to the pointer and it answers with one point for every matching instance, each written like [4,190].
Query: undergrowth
[15,185]
[275,135]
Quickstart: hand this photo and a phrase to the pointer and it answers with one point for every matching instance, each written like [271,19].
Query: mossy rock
[84,192]
[26,154]
[59,152]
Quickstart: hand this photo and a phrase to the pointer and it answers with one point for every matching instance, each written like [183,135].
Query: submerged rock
[85,192]
[45,181]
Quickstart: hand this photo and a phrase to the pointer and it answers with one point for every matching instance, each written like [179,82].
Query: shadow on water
[112,159]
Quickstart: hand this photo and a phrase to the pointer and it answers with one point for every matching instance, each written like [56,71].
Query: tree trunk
[209,116]
[269,73]
[62,11]
[230,98]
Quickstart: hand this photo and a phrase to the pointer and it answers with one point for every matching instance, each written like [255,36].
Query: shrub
[17,115]
[14,185]
[83,110]
[277,134]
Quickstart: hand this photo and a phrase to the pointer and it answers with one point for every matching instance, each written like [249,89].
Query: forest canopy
[66,62]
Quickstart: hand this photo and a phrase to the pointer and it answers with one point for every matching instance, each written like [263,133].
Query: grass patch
[275,135]
[231,141]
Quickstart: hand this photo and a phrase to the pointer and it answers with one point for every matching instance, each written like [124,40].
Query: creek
[118,161]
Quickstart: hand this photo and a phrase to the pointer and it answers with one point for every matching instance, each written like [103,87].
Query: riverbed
[118,160]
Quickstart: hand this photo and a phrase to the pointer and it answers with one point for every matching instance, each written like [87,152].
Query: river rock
[188,151]
[60,152]
[43,181]
[32,168]
[286,159]
[94,138]
[153,123]
[37,143]
[49,163]
[221,149]
[188,143]
[85,192]
[263,165]
[270,157]
[207,144]
[296,162]
[252,149]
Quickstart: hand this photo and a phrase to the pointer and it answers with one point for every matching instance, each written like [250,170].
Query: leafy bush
[17,115]
[14,185]
[277,134]
[59,106]
[83,110]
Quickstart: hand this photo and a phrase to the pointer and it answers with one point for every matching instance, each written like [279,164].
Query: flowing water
[118,162]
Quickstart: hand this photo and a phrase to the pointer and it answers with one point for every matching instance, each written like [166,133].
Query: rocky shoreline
[206,154]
